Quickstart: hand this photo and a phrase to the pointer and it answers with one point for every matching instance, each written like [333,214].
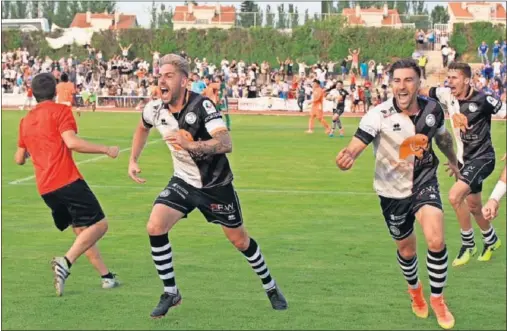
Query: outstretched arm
[347,156]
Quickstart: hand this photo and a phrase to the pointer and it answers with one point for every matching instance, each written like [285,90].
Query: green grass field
[320,229]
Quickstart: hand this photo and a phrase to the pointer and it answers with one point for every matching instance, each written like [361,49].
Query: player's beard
[175,95]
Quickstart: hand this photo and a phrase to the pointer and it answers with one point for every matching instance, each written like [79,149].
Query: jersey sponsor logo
[224,209]
[414,145]
[212,117]
[431,120]
[387,113]
[460,121]
[472,107]
[208,106]
[190,118]
[396,127]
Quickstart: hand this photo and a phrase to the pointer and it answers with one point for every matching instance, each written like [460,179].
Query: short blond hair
[177,61]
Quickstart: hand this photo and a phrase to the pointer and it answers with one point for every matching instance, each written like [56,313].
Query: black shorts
[399,214]
[74,204]
[219,204]
[474,172]
[339,110]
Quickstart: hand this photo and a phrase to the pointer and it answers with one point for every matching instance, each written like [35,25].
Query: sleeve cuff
[364,136]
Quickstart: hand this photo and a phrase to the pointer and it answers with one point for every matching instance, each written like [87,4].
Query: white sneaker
[61,272]
[108,283]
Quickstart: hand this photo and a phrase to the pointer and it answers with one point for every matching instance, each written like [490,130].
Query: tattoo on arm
[220,144]
[445,144]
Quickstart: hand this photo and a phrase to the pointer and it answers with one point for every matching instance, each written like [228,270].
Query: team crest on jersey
[430,120]
[394,230]
[208,106]
[164,193]
[190,118]
[472,107]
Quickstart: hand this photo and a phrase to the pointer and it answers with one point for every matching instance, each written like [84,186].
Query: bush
[467,37]
[317,40]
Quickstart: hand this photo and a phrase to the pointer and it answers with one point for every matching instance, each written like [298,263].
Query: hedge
[320,40]
[466,38]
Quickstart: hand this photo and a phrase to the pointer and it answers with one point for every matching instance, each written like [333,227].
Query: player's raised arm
[138,142]
[368,129]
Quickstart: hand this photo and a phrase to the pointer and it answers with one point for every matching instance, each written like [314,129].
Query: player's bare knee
[435,243]
[240,242]
[407,251]
[156,227]
[455,198]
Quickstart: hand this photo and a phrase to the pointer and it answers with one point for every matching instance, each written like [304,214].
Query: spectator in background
[496,51]
[355,59]
[445,55]
[422,62]
[504,51]
[431,40]
[483,52]
[497,68]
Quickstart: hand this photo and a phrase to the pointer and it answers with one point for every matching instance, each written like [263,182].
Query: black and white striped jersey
[404,158]
[471,121]
[200,117]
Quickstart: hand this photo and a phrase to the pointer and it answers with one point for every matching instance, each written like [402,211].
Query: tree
[439,15]
[259,18]
[153,19]
[402,6]
[74,8]
[165,17]
[325,6]
[48,11]
[295,17]
[62,17]
[192,2]
[307,16]
[19,9]
[418,7]
[269,16]
[248,10]
[342,4]
[6,9]
[282,17]
[99,6]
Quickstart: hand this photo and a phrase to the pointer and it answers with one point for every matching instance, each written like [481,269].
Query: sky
[142,9]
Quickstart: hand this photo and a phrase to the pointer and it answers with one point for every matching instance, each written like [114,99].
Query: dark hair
[339,81]
[405,64]
[44,87]
[316,81]
[461,66]
[64,77]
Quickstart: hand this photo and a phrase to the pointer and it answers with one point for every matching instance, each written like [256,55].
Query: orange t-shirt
[155,92]
[318,98]
[29,92]
[40,134]
[65,91]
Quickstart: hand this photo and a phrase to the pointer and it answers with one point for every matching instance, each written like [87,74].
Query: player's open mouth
[164,90]
[403,96]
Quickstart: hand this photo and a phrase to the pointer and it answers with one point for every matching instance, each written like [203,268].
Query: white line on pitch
[93,159]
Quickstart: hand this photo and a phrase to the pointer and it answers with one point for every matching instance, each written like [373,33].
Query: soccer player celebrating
[470,113]
[198,140]
[48,134]
[317,111]
[490,209]
[338,94]
[402,130]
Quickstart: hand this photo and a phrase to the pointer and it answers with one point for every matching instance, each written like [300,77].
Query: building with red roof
[377,17]
[204,17]
[468,12]
[104,21]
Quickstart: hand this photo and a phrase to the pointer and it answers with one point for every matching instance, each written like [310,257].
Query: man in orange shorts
[317,108]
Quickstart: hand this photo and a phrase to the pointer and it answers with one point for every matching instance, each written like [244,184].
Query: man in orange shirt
[317,108]
[65,91]
[48,134]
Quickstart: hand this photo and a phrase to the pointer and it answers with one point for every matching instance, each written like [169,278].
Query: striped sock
[489,236]
[254,256]
[436,262]
[409,269]
[162,255]
[467,238]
